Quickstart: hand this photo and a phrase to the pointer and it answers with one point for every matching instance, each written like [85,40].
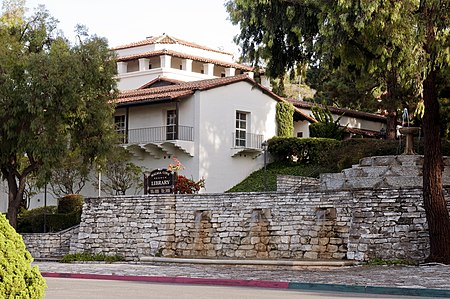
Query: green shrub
[91,257]
[326,130]
[285,119]
[326,127]
[18,279]
[70,203]
[350,151]
[305,150]
[32,221]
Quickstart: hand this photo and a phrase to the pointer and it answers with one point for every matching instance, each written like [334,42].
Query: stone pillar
[208,69]
[166,61]
[230,71]
[122,67]
[143,64]
[186,65]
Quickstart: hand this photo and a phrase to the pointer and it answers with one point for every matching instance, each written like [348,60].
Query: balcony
[247,144]
[159,141]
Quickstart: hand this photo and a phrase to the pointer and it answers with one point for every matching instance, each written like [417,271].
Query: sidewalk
[427,280]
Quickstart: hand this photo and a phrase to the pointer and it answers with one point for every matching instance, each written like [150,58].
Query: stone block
[311,255]
[324,241]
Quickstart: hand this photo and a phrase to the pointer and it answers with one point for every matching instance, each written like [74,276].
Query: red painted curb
[180,280]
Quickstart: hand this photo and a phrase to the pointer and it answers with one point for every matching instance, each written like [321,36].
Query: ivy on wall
[285,119]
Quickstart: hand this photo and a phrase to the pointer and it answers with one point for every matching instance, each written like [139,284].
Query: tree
[120,174]
[402,43]
[344,88]
[55,98]
[286,34]
[71,175]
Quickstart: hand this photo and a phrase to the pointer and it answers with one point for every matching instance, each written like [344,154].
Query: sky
[200,21]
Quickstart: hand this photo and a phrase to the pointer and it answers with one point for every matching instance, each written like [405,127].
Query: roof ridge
[157,39]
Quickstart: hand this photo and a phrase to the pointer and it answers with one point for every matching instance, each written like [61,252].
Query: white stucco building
[180,99]
[215,127]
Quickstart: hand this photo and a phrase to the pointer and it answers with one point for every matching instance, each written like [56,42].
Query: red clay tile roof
[187,88]
[174,91]
[165,39]
[184,89]
[340,111]
[185,56]
[363,132]
[161,79]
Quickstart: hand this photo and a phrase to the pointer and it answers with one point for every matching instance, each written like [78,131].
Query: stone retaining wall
[357,224]
[51,245]
[292,183]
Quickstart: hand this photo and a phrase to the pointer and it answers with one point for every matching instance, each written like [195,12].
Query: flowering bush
[184,185]
[177,166]
[188,186]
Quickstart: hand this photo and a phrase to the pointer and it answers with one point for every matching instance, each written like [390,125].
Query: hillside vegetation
[321,158]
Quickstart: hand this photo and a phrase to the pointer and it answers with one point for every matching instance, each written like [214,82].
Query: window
[121,127]
[241,129]
[171,132]
[300,134]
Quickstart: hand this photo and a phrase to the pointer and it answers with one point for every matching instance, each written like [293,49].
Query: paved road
[103,289]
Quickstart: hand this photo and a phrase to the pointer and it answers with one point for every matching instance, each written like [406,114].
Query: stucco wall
[217,123]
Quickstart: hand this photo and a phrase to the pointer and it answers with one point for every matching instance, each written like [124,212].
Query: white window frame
[120,123]
[171,123]
[242,122]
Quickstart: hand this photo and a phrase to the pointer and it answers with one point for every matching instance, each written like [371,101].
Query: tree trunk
[13,202]
[15,195]
[391,125]
[433,196]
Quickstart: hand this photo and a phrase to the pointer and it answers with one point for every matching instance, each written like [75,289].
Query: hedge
[303,150]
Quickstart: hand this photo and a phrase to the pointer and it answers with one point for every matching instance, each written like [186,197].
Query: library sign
[159,181]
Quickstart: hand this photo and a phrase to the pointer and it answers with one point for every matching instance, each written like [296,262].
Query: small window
[300,134]
[149,66]
[121,129]
[171,129]
[241,129]
[181,67]
[202,72]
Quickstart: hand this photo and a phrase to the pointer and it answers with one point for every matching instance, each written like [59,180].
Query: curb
[402,291]
[180,280]
[423,292]
[290,263]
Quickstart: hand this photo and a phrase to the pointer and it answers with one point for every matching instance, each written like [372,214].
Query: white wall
[352,122]
[303,127]
[217,124]
[135,80]
[225,57]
